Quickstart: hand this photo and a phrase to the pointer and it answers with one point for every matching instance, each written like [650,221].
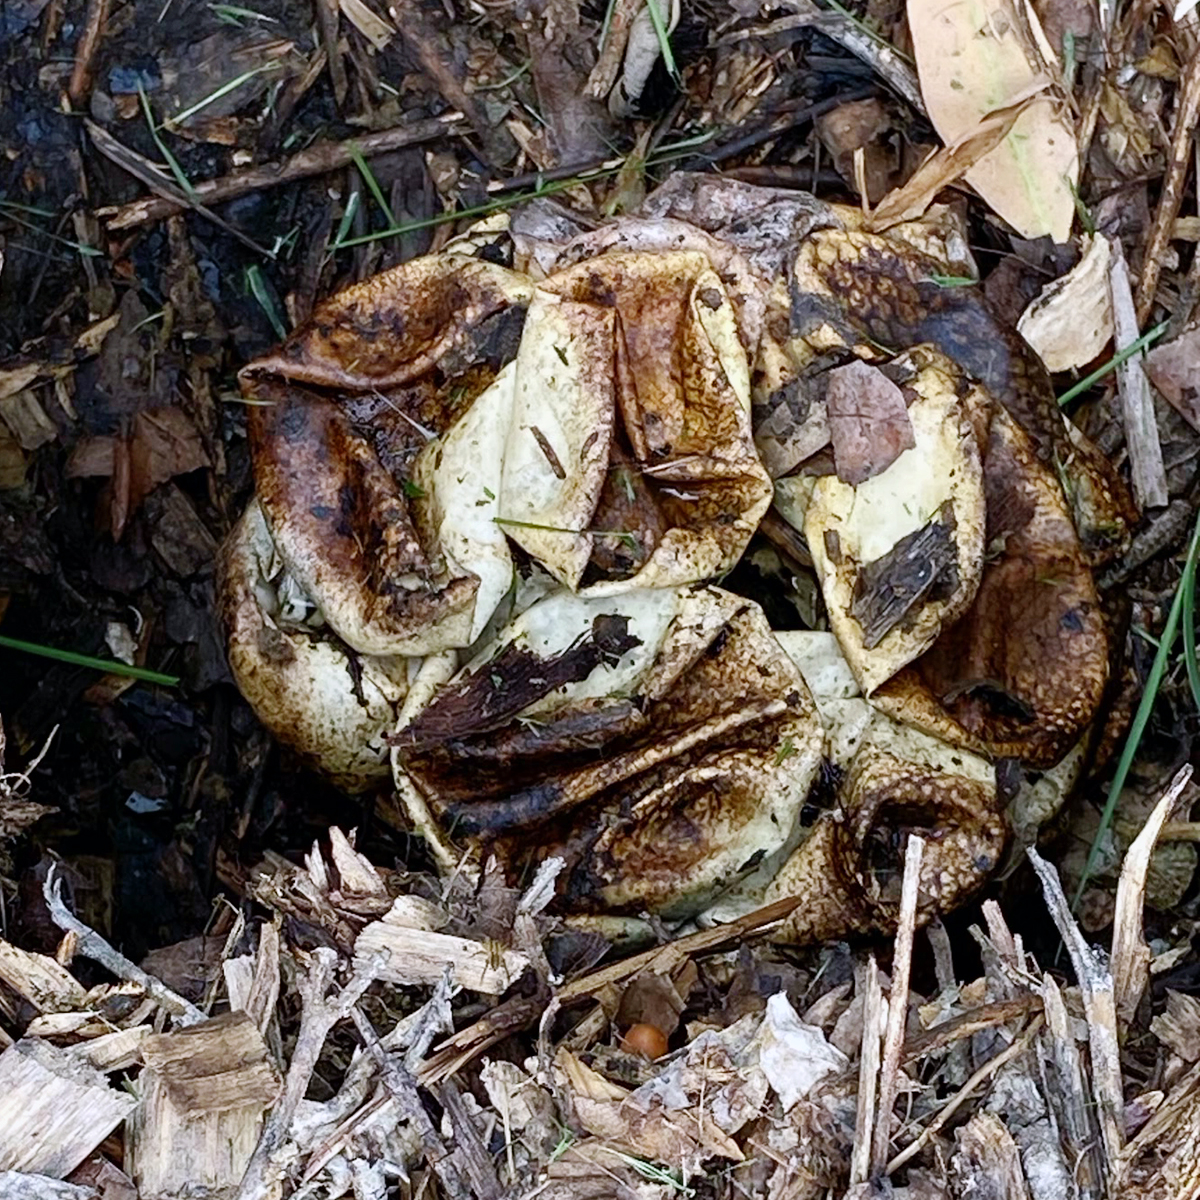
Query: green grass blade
[369,177]
[176,170]
[664,41]
[1158,670]
[1113,363]
[1188,584]
[108,666]
[257,286]
[223,90]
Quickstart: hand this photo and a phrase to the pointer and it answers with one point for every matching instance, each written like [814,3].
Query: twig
[874,1027]
[883,59]
[964,1093]
[897,1019]
[318,1015]
[142,168]
[1067,1098]
[91,945]
[402,1088]
[1099,1010]
[664,957]
[1172,188]
[468,1145]
[318,159]
[328,17]
[456,1051]
[1137,405]
[422,42]
[85,51]
[1130,954]
[1164,532]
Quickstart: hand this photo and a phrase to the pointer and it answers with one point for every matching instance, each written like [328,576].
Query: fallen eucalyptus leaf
[975,57]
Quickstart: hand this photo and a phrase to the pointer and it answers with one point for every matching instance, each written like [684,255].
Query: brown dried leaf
[945,166]
[1174,368]
[868,421]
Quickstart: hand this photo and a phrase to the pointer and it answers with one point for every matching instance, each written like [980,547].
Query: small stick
[142,168]
[328,16]
[868,1072]
[1130,954]
[1096,988]
[402,1088]
[1137,405]
[318,159]
[91,945]
[897,1020]
[318,1016]
[882,58]
[423,44]
[1172,188]
[964,1094]
[85,51]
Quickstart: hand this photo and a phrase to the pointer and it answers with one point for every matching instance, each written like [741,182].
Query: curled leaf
[310,691]
[661,740]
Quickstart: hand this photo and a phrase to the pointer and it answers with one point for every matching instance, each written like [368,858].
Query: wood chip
[39,980]
[420,957]
[203,1095]
[54,1109]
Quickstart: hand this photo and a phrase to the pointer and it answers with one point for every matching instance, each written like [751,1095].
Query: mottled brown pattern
[662,796]
[1022,674]
[851,867]
[864,285]
[639,794]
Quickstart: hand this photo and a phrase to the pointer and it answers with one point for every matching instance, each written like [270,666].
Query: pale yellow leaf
[1071,320]
[370,24]
[973,58]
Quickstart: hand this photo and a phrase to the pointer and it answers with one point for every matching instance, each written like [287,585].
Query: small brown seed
[645,1039]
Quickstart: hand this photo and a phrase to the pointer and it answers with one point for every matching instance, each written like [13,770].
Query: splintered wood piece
[16,1186]
[1067,1097]
[1137,406]
[114,1051]
[987,1160]
[204,1092]
[419,957]
[1130,953]
[1099,1010]
[54,1109]
[39,980]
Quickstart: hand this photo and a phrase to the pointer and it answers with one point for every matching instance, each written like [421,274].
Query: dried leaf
[943,167]
[1071,320]
[370,24]
[795,1057]
[975,57]
[1174,368]
[868,421]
